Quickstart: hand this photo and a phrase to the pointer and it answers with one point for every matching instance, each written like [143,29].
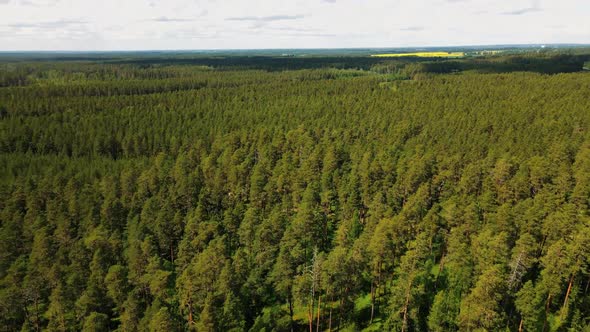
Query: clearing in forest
[422,55]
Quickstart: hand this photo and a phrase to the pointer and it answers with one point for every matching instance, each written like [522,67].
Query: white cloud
[266,18]
[214,24]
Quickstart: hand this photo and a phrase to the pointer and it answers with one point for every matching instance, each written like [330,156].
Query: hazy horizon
[217,50]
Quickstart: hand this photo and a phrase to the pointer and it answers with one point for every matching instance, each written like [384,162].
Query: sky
[94,25]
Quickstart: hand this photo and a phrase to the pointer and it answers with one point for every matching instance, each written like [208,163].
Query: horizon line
[297,48]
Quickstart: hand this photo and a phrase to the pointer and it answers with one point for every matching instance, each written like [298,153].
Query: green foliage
[96,322]
[229,194]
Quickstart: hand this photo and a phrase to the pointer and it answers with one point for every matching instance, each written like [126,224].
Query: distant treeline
[500,64]
[551,65]
[18,74]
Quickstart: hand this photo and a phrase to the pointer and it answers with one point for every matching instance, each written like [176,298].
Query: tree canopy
[271,194]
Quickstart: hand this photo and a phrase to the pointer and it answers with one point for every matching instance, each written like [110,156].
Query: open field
[422,55]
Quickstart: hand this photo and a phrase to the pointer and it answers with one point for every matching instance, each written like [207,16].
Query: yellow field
[423,55]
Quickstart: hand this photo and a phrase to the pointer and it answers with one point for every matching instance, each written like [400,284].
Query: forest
[268,193]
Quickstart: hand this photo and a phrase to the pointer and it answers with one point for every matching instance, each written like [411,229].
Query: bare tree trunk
[547,305]
[520,325]
[190,312]
[542,246]
[330,319]
[406,305]
[567,294]
[515,275]
[340,313]
[310,314]
[317,328]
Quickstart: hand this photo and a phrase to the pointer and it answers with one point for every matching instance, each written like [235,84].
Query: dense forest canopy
[262,193]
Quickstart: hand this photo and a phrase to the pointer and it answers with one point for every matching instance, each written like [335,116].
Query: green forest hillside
[337,194]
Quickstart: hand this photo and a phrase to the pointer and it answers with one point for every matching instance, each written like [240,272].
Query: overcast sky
[223,24]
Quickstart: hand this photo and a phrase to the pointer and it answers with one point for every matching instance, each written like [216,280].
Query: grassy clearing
[422,55]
